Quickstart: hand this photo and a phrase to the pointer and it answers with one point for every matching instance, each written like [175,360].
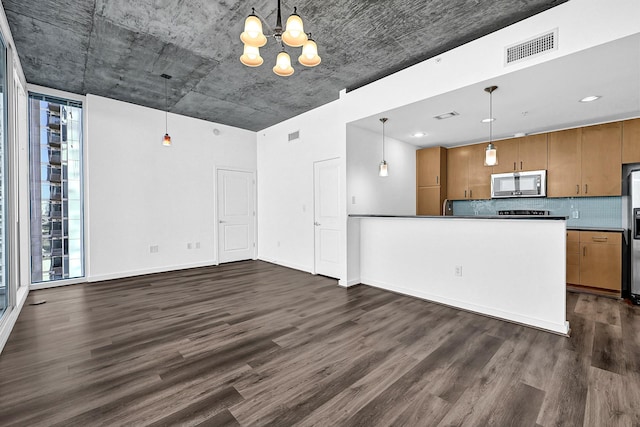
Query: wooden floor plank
[608,349]
[252,343]
[607,400]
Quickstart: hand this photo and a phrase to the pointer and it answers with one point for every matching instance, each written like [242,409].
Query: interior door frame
[216,235]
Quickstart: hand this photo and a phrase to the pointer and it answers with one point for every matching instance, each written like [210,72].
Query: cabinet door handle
[437,179]
[520,164]
[470,194]
[586,188]
[514,165]
[577,188]
[584,251]
[465,194]
[599,239]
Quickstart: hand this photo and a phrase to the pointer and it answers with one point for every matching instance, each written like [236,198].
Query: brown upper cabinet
[467,176]
[564,176]
[585,161]
[631,141]
[431,165]
[601,160]
[522,154]
[431,180]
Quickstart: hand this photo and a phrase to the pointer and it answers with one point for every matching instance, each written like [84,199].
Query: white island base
[508,268]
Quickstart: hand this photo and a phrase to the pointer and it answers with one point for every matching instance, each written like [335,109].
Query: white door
[236,215]
[326,184]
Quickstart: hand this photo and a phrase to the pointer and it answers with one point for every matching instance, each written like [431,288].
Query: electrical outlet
[197,245]
[353,200]
[188,245]
[458,271]
[575,214]
[154,249]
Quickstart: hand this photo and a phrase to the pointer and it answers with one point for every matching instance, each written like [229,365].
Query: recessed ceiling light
[488,120]
[446,115]
[419,134]
[590,98]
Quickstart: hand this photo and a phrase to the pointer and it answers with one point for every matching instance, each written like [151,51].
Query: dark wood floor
[252,343]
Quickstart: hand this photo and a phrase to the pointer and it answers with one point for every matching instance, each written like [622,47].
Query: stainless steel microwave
[519,184]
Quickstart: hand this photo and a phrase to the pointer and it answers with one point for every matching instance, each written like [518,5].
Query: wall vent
[294,136]
[532,47]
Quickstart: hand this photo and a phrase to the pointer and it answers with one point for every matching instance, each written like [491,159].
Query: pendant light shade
[166,140]
[383,169]
[491,155]
[309,57]
[252,34]
[294,34]
[251,56]
[283,65]
[491,152]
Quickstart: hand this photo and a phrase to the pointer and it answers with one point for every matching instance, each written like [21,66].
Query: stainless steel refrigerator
[634,247]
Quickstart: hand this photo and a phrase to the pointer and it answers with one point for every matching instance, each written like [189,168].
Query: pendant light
[166,141]
[491,152]
[283,64]
[383,170]
[252,34]
[309,57]
[292,35]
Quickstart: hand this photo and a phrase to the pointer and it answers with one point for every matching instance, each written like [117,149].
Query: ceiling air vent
[532,47]
[294,136]
[446,115]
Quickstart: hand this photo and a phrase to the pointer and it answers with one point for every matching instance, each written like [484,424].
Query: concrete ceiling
[119,49]
[532,100]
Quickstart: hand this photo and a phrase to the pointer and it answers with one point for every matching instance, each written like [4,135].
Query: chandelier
[293,35]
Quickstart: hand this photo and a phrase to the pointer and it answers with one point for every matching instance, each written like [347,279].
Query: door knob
[316,223]
[222,222]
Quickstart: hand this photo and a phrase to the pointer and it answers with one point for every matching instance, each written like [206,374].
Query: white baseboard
[287,264]
[9,322]
[163,269]
[561,329]
[56,283]
[348,283]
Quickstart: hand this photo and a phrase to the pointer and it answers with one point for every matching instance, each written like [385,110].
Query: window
[55,150]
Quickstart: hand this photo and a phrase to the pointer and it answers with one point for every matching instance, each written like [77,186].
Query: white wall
[285,183]
[288,171]
[141,193]
[391,195]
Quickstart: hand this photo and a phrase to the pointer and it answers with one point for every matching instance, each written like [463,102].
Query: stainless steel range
[528,212]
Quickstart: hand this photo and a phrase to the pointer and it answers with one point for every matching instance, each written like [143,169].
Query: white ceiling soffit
[537,99]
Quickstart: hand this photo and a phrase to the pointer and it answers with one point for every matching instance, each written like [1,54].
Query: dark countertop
[608,229]
[540,217]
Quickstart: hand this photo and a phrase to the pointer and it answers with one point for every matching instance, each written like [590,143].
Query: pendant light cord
[383,120]
[166,108]
[382,140]
[491,117]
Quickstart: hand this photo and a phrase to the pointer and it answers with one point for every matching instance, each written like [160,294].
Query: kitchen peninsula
[512,268]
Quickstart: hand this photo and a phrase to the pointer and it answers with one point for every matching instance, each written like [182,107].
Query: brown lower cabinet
[594,260]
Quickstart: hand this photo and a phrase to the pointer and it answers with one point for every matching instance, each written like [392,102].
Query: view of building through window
[55,188]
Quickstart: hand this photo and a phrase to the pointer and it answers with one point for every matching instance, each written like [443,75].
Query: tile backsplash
[591,211]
